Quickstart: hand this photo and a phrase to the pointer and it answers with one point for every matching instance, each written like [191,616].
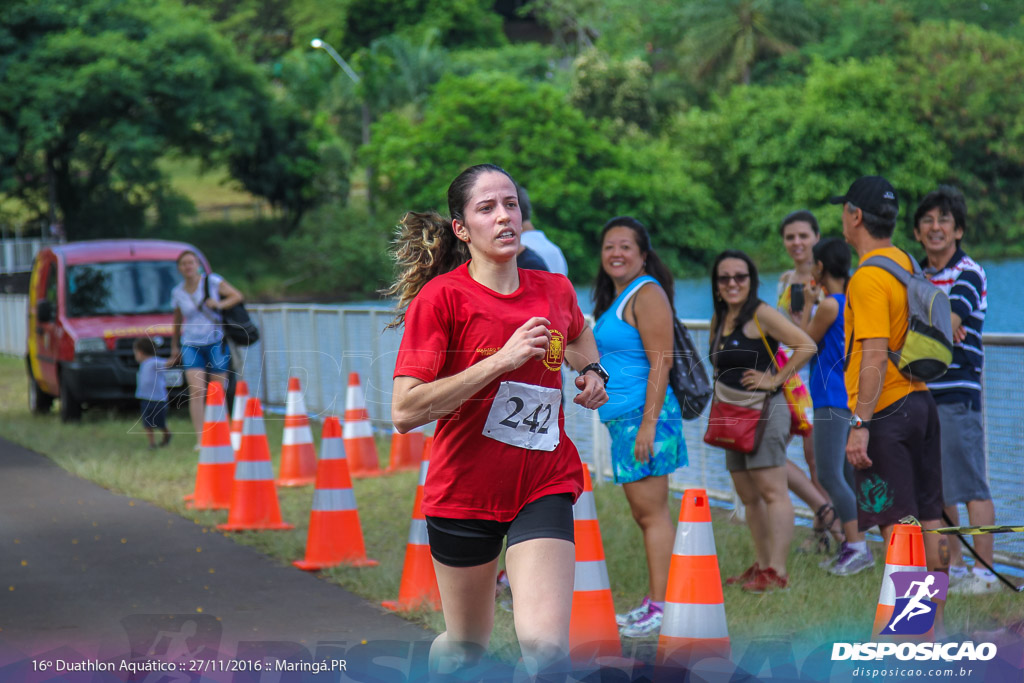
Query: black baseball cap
[870,193]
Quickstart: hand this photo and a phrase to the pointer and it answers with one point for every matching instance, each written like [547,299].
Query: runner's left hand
[592,393]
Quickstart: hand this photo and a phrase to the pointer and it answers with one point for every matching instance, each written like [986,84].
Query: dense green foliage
[94,92]
[707,119]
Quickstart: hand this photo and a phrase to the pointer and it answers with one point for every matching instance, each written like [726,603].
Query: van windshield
[121,288]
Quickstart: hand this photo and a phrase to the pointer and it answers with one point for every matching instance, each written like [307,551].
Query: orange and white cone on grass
[216,471]
[335,536]
[904,554]
[418,588]
[406,450]
[693,626]
[592,629]
[254,502]
[298,457]
[238,413]
[359,443]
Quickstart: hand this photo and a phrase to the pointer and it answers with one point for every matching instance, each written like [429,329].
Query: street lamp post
[318,44]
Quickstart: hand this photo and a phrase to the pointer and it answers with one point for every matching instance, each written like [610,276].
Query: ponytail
[425,246]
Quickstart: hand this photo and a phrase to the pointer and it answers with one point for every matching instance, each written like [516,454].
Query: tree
[579,172]
[397,71]
[766,151]
[94,92]
[261,29]
[725,38]
[613,89]
[957,81]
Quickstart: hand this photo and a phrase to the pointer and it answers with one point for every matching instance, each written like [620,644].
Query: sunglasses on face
[739,278]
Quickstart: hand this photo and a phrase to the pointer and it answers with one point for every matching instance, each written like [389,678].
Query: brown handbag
[738,417]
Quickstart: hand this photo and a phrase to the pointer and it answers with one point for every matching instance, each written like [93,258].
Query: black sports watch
[598,370]
[857,423]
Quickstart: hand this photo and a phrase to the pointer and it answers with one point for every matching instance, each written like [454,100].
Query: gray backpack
[928,349]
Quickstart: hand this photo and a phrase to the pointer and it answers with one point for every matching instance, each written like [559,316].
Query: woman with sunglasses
[745,335]
[634,330]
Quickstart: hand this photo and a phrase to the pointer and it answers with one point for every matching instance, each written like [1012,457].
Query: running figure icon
[915,606]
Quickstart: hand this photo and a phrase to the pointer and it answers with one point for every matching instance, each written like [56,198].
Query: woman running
[482,353]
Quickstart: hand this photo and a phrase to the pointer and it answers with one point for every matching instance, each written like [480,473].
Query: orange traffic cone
[419,584]
[693,625]
[254,497]
[592,629]
[359,443]
[406,450]
[238,413]
[904,554]
[298,458]
[216,469]
[335,536]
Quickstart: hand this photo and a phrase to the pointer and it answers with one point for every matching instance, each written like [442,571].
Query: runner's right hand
[529,341]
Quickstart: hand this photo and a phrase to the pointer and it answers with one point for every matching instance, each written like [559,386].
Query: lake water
[1005,296]
[693,296]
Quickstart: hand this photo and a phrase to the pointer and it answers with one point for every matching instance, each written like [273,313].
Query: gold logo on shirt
[487,350]
[556,352]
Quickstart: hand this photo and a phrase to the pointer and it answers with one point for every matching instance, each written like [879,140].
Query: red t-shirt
[455,322]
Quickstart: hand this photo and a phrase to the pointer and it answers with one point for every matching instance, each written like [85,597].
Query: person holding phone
[797,291]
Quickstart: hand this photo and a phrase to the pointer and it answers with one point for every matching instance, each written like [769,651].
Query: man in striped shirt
[939,224]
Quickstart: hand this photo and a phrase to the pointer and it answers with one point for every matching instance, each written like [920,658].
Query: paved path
[86,573]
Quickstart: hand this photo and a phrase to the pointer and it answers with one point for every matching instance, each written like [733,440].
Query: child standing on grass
[151,390]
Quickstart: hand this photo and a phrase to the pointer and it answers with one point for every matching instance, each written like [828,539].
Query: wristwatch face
[856,422]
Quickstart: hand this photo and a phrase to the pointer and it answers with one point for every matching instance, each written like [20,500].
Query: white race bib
[525,415]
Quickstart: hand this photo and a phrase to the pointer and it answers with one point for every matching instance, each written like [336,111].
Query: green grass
[108,448]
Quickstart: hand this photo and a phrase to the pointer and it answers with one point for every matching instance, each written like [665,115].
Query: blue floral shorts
[669,445]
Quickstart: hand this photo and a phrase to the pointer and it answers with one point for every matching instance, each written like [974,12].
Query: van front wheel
[70,408]
[39,402]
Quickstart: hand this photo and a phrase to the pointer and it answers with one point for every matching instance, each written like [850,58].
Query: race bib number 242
[525,415]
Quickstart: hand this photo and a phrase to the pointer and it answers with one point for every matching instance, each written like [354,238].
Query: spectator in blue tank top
[831,271]
[633,309]
[939,224]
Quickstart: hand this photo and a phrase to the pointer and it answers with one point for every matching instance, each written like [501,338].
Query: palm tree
[724,39]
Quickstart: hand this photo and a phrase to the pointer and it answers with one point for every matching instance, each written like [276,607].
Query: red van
[88,303]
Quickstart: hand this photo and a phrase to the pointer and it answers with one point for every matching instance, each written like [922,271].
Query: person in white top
[534,239]
[197,341]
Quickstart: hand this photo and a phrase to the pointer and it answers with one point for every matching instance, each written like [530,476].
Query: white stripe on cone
[694,621]
[696,538]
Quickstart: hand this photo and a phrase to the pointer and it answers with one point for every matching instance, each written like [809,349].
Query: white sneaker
[634,615]
[973,584]
[647,625]
[957,574]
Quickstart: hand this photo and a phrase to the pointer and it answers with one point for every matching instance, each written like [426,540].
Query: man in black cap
[893,442]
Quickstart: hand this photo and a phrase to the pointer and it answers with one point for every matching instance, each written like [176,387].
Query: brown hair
[425,245]
[145,346]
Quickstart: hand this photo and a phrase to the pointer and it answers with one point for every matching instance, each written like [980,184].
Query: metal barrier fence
[13,323]
[17,253]
[322,345]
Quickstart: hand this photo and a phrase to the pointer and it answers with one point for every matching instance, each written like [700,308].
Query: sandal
[825,518]
[821,540]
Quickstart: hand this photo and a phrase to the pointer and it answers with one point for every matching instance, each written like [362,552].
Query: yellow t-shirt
[876,307]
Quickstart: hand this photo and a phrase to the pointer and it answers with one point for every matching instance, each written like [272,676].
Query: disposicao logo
[914,614]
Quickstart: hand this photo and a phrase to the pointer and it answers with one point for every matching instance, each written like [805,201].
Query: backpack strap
[893,268]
